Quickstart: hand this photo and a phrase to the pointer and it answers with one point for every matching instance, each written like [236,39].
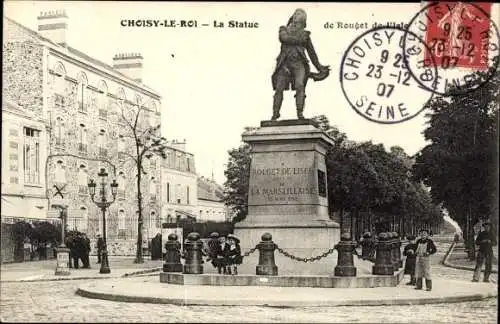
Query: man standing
[86,251]
[425,248]
[484,241]
[292,67]
[100,247]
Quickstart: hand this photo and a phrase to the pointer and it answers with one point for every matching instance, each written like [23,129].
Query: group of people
[418,252]
[79,250]
[224,253]
[417,264]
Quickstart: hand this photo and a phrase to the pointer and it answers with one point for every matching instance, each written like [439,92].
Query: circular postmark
[463,42]
[376,80]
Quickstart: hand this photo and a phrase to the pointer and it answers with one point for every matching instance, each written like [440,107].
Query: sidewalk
[458,259]
[150,290]
[44,270]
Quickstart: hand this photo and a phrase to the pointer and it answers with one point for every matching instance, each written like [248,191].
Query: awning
[19,207]
[185,213]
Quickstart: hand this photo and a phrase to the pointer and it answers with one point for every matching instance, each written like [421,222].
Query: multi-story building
[24,151]
[84,102]
[179,184]
[211,205]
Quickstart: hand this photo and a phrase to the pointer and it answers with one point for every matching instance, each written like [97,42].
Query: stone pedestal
[62,268]
[287,195]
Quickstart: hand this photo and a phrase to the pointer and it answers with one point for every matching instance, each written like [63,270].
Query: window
[121,185]
[81,93]
[178,193]
[101,143]
[14,161]
[59,131]
[82,180]
[101,100]
[152,188]
[187,195]
[188,160]
[82,221]
[82,139]
[58,101]
[121,220]
[156,219]
[168,192]
[59,172]
[31,155]
[59,82]
[121,147]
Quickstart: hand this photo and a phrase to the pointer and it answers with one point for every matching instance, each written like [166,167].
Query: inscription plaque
[283,178]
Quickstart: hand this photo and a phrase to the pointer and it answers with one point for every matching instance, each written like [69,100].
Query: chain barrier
[311,259]
[249,252]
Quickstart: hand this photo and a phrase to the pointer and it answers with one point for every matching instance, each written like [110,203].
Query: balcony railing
[103,113]
[103,152]
[83,190]
[82,148]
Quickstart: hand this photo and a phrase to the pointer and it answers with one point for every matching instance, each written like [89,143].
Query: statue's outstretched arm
[313,56]
[292,39]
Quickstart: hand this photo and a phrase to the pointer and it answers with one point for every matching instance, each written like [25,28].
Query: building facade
[86,106]
[211,205]
[24,151]
[179,187]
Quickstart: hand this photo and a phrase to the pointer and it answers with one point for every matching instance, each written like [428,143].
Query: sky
[216,81]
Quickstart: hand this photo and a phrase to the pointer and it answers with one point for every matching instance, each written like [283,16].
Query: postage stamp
[377,82]
[463,42]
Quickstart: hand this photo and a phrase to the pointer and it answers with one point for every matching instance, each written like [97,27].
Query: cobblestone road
[57,302]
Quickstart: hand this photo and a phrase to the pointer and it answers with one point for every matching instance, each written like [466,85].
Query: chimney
[130,64]
[53,25]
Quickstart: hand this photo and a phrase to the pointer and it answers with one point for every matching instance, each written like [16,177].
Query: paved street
[57,302]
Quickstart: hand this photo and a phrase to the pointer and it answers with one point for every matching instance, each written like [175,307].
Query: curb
[277,303]
[126,275]
[459,267]
[141,272]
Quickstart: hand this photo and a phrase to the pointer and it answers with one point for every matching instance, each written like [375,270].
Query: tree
[461,162]
[44,232]
[147,142]
[237,180]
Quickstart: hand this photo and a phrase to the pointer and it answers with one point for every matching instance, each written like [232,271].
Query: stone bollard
[383,261]
[397,249]
[345,264]
[193,252]
[173,255]
[394,250]
[266,247]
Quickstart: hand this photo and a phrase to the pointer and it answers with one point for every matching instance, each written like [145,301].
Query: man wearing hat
[213,248]
[292,67]
[100,247]
[484,241]
[425,248]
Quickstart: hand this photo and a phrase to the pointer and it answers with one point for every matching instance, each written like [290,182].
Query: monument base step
[369,281]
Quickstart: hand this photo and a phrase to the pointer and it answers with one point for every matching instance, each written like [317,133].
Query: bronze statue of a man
[292,67]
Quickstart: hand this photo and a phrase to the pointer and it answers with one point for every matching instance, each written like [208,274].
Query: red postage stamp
[457,34]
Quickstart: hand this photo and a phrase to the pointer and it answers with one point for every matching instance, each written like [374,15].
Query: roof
[78,53]
[209,190]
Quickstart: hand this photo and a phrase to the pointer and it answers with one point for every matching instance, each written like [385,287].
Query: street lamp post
[103,204]
[62,267]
